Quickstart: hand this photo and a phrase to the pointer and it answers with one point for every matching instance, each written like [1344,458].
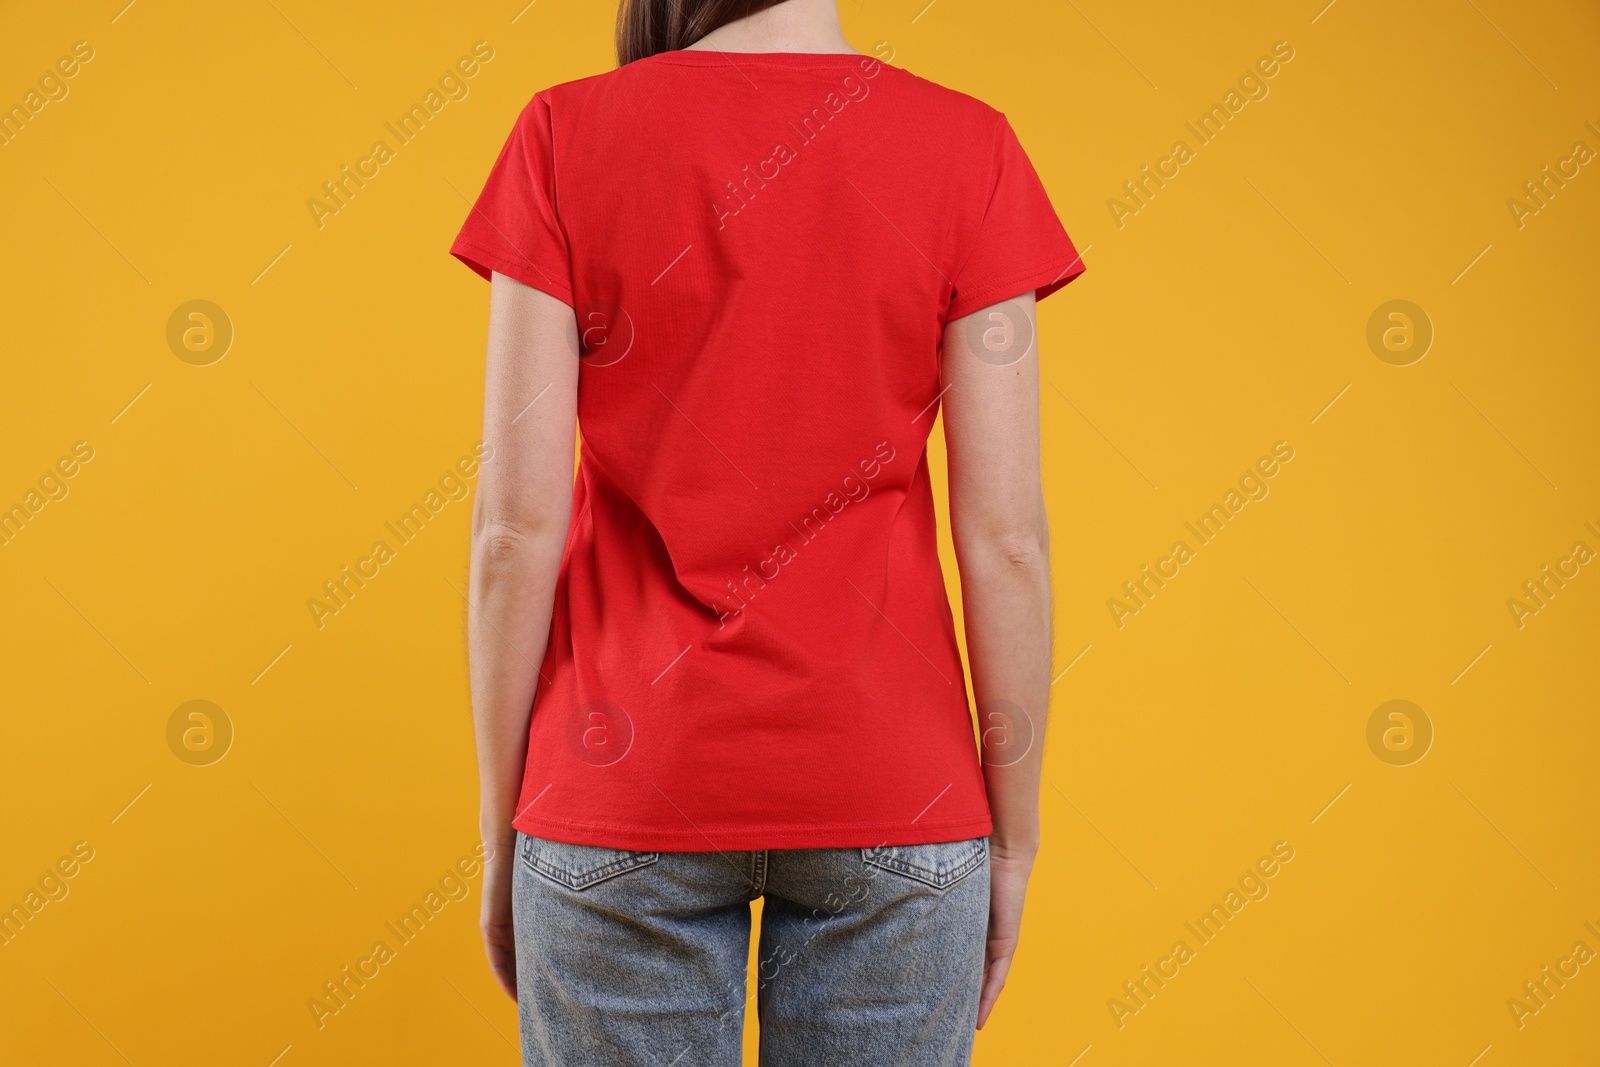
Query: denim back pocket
[580,866]
[940,865]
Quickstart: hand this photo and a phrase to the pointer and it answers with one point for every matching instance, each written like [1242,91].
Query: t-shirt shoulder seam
[572,84]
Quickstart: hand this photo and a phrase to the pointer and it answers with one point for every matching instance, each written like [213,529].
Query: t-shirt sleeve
[513,228]
[1020,245]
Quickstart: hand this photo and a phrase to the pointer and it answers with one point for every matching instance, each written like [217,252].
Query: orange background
[1231,712]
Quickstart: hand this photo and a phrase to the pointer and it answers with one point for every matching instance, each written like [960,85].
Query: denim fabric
[869,956]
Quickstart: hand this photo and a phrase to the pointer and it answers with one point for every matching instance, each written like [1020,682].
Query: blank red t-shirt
[751,645]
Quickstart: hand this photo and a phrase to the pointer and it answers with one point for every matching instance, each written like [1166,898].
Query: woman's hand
[499,938]
[1008,884]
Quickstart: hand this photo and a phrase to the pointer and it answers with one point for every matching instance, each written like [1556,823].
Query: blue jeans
[868,956]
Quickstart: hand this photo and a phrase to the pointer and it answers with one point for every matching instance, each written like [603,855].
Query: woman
[752,264]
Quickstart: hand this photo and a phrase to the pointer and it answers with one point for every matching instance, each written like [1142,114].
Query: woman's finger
[994,980]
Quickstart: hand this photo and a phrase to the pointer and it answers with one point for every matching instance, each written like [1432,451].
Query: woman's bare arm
[990,370]
[519,527]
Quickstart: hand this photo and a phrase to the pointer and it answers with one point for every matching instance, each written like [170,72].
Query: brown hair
[645,27]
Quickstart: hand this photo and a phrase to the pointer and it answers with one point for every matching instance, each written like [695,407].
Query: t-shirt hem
[483,260]
[747,838]
[1041,281]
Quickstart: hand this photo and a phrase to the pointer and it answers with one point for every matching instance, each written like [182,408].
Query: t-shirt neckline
[708,57]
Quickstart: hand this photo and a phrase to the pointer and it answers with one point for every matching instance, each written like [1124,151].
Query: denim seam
[575,880]
[921,874]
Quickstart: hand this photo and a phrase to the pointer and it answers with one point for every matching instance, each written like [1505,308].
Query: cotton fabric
[751,645]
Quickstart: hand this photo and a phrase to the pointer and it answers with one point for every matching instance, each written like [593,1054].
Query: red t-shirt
[751,645]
